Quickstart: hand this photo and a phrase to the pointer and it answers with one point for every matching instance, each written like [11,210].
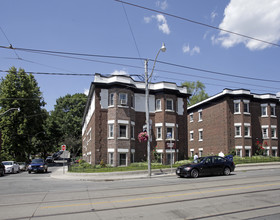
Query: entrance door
[122,159]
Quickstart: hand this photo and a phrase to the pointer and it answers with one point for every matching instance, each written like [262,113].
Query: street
[242,195]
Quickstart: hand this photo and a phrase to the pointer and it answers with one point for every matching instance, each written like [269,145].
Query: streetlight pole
[147,77]
[9,110]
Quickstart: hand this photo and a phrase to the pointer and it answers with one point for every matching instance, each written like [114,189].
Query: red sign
[63,147]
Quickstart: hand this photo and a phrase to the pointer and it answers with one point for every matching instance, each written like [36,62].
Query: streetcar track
[129,195]
[163,203]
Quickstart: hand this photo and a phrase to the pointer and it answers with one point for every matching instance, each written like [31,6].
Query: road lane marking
[160,197]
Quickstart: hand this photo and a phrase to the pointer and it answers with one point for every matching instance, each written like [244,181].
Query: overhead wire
[199,23]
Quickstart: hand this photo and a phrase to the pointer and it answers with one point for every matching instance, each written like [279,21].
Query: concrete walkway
[62,173]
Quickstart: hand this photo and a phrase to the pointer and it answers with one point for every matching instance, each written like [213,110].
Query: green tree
[67,116]
[19,90]
[197,89]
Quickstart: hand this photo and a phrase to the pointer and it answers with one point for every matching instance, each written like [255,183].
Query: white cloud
[255,18]
[120,72]
[161,22]
[163,5]
[193,51]
[213,15]
[147,19]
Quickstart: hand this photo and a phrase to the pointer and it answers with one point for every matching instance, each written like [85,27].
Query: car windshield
[37,161]
[198,160]
[7,163]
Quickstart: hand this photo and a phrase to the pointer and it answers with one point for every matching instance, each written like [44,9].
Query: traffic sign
[63,147]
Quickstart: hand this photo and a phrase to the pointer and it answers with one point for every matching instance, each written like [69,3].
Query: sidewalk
[62,173]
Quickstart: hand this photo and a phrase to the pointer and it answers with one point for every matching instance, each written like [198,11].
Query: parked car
[203,166]
[11,167]
[49,159]
[2,169]
[23,166]
[37,165]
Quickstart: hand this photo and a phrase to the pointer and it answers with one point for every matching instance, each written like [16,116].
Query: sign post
[63,148]
[170,145]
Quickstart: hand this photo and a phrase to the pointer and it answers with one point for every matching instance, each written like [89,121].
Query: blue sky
[111,28]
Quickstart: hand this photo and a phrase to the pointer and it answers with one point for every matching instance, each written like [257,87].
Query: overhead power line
[199,23]
[72,55]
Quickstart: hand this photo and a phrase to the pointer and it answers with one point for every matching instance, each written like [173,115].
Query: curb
[114,176]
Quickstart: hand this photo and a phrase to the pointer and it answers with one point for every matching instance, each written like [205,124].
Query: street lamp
[9,110]
[147,77]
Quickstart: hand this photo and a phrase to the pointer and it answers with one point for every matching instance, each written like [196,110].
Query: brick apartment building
[234,120]
[115,115]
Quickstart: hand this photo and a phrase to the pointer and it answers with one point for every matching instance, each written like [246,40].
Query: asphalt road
[243,195]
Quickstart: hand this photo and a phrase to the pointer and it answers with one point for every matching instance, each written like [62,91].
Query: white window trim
[109,136]
[159,139]
[264,105]
[111,98]
[172,135]
[191,117]
[234,102]
[199,138]
[120,100]
[237,125]
[191,139]
[126,137]
[200,117]
[169,110]
[160,108]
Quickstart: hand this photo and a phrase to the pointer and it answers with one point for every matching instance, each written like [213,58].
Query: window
[111,99]
[246,130]
[237,130]
[132,131]
[122,160]
[123,131]
[132,101]
[247,153]
[200,115]
[274,151]
[200,152]
[191,117]
[264,109]
[169,133]
[272,110]
[236,106]
[191,135]
[246,106]
[111,130]
[200,134]
[111,158]
[238,151]
[265,132]
[169,104]
[158,105]
[273,132]
[89,136]
[159,132]
[123,98]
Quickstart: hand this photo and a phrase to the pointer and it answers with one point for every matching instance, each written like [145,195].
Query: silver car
[11,166]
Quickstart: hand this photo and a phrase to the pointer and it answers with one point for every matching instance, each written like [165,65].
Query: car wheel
[194,173]
[226,171]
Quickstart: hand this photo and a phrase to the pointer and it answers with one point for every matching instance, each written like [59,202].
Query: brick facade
[234,120]
[115,115]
